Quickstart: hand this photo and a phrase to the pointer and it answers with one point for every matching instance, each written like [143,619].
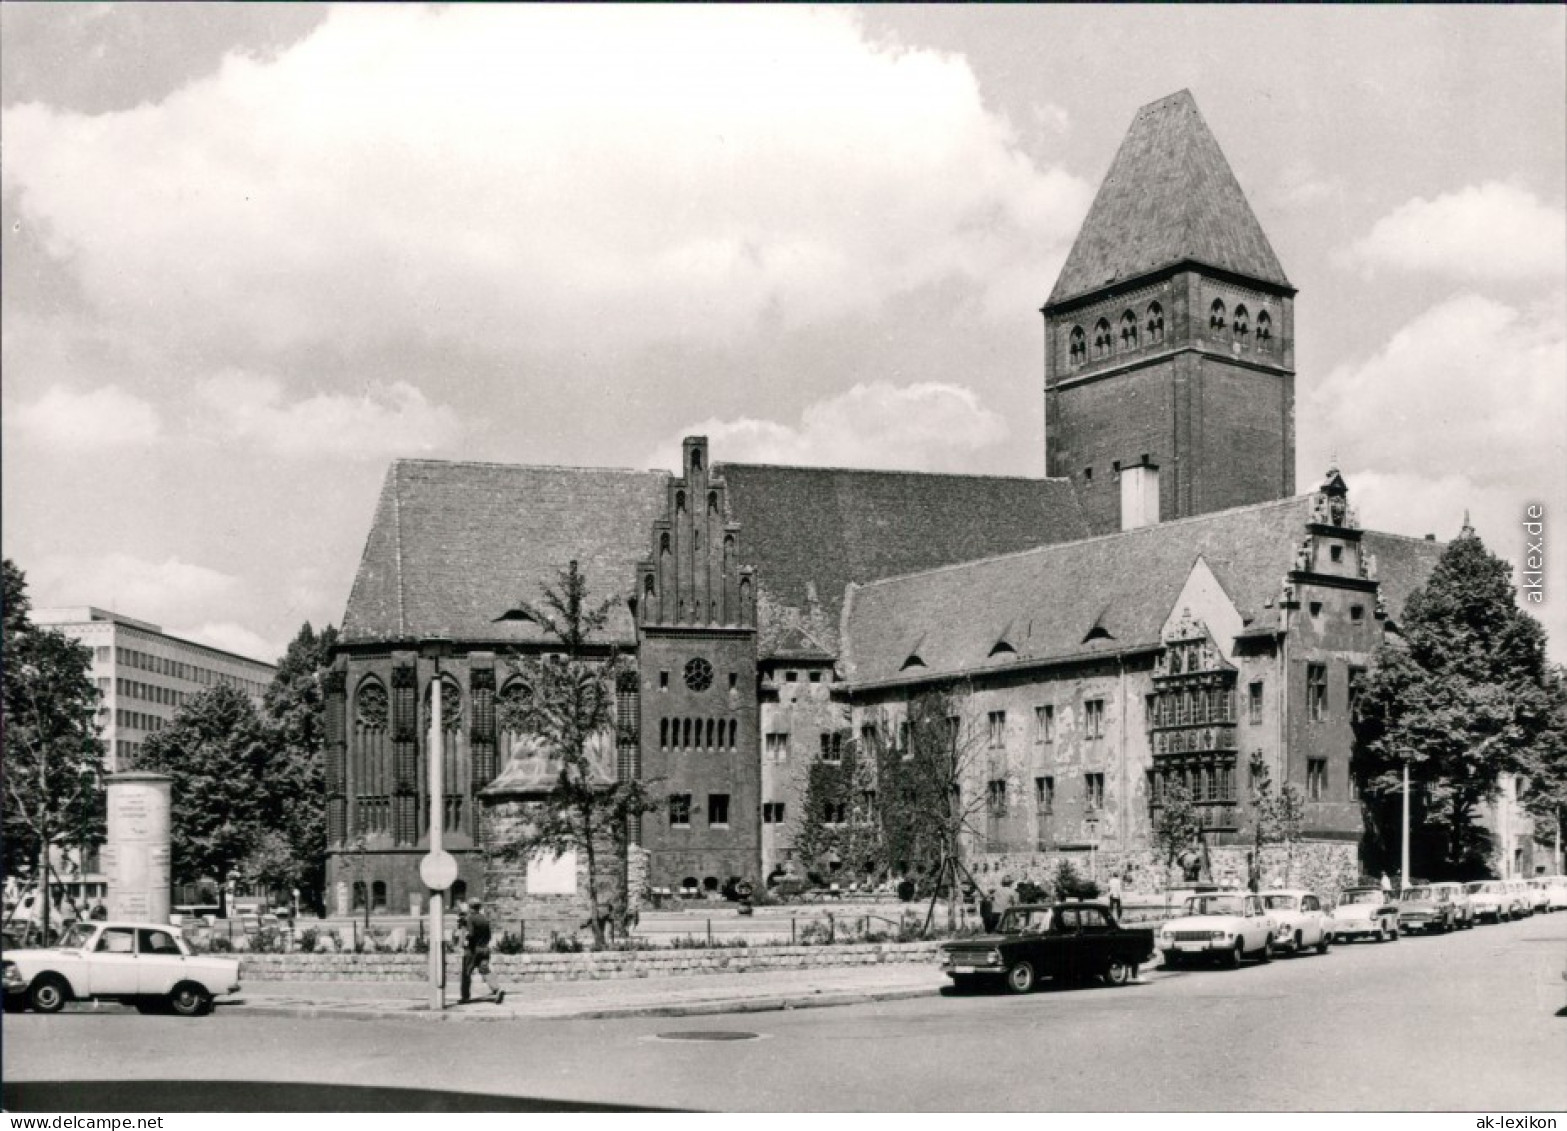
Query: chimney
[1139,494]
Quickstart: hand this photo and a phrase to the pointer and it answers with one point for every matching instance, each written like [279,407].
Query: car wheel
[49,994]
[1020,979]
[1119,973]
[1392,932]
[1267,949]
[1299,944]
[190,1000]
[1323,943]
[1232,958]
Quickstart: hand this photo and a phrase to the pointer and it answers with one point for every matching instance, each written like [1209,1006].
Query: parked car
[1366,912]
[1299,920]
[1427,908]
[1539,895]
[1458,896]
[1555,893]
[1523,899]
[146,964]
[1067,941]
[1229,926]
[1490,900]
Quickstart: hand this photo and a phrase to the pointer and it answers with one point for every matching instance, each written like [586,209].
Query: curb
[687,1009]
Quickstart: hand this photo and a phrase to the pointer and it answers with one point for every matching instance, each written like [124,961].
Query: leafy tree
[1276,819]
[295,777]
[1463,698]
[570,712]
[1544,765]
[1177,828]
[839,818]
[218,750]
[53,754]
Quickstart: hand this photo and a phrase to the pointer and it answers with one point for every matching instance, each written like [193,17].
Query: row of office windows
[152,693]
[176,669]
[138,720]
[998,802]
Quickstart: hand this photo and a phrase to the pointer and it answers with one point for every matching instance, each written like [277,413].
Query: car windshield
[1490,886]
[76,936]
[1279,902]
[1215,905]
[1369,895]
[1026,920]
[1418,893]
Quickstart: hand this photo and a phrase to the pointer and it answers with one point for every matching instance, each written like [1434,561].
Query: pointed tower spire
[1467,530]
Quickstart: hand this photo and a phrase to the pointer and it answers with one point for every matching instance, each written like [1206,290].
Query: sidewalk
[620,997]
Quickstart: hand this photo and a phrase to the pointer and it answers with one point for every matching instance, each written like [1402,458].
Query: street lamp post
[438,870]
[1403,860]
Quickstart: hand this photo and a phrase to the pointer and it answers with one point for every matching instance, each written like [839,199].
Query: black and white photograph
[778,559]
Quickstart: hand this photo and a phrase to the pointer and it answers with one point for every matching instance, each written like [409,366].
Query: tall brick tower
[1169,337]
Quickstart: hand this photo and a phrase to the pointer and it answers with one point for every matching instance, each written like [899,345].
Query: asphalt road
[1470,1021]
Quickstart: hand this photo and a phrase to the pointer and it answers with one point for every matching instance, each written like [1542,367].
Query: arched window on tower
[1216,316]
[696,459]
[1242,323]
[1104,344]
[1078,349]
[1155,323]
[1128,331]
[1264,332]
[680,500]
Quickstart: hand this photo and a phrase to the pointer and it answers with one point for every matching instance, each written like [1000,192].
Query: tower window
[1128,331]
[718,810]
[1264,332]
[1077,350]
[1104,344]
[680,810]
[1242,323]
[1155,323]
[1316,779]
[1216,317]
[1316,692]
[1088,475]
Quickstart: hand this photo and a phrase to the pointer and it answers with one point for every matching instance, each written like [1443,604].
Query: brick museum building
[1162,606]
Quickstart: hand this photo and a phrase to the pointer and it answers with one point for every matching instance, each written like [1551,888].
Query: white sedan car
[146,964]
[1228,926]
[1365,911]
[1299,919]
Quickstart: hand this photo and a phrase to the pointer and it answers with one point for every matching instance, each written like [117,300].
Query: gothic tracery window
[1242,323]
[451,705]
[1216,316]
[1155,323]
[1128,331]
[1078,348]
[1264,332]
[1104,344]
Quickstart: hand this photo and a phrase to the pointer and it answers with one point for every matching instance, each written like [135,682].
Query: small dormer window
[1336,553]
[913,661]
[1216,316]
[1077,349]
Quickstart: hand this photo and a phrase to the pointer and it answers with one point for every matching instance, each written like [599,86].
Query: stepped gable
[1169,197]
[811,531]
[454,546]
[1047,600]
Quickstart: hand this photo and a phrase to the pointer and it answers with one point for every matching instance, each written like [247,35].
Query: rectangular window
[1357,681]
[1155,787]
[1094,718]
[772,812]
[1254,703]
[1316,692]
[903,738]
[1045,723]
[718,810]
[1357,613]
[998,729]
[663,681]
[996,797]
[1316,779]
[680,810]
[1045,794]
[791,677]
[833,813]
[832,746]
[1093,791]
[734,681]
[1150,710]
[778,747]
[816,677]
[868,736]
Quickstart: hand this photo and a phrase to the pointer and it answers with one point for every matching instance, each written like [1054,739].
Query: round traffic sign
[438,870]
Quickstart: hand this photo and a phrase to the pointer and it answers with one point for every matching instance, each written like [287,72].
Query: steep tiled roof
[1049,598]
[1169,196]
[1403,564]
[811,531]
[454,546]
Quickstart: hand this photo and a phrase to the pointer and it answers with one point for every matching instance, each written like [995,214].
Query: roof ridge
[397,544]
[892,471]
[1158,526]
[401,460]
[1416,538]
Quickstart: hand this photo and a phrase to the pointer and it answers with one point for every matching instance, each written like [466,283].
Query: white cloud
[233,638]
[592,177]
[1490,231]
[925,427]
[384,420]
[157,591]
[1471,386]
[94,420]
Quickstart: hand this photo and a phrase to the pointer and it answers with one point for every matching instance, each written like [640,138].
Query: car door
[159,961]
[1093,953]
[1066,942]
[1310,920]
[112,963]
[1257,926]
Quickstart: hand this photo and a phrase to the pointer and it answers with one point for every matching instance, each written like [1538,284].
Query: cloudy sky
[252,254]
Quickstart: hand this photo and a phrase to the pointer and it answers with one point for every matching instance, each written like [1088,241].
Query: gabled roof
[454,546]
[811,531]
[1169,196]
[1125,584]
[1403,565]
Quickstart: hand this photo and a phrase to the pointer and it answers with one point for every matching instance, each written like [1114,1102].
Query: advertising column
[136,857]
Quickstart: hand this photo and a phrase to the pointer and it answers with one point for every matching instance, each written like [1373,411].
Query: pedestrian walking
[476,953]
[1002,899]
[1115,896]
[98,912]
[1387,885]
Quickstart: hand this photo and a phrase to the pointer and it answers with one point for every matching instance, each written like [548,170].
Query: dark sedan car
[1067,941]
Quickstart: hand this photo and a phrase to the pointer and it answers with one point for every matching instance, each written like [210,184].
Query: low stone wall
[581,967]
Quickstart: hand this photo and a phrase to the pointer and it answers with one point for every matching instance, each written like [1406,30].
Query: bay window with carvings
[1191,723]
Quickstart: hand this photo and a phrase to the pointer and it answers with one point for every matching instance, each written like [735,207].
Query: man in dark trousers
[476,953]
